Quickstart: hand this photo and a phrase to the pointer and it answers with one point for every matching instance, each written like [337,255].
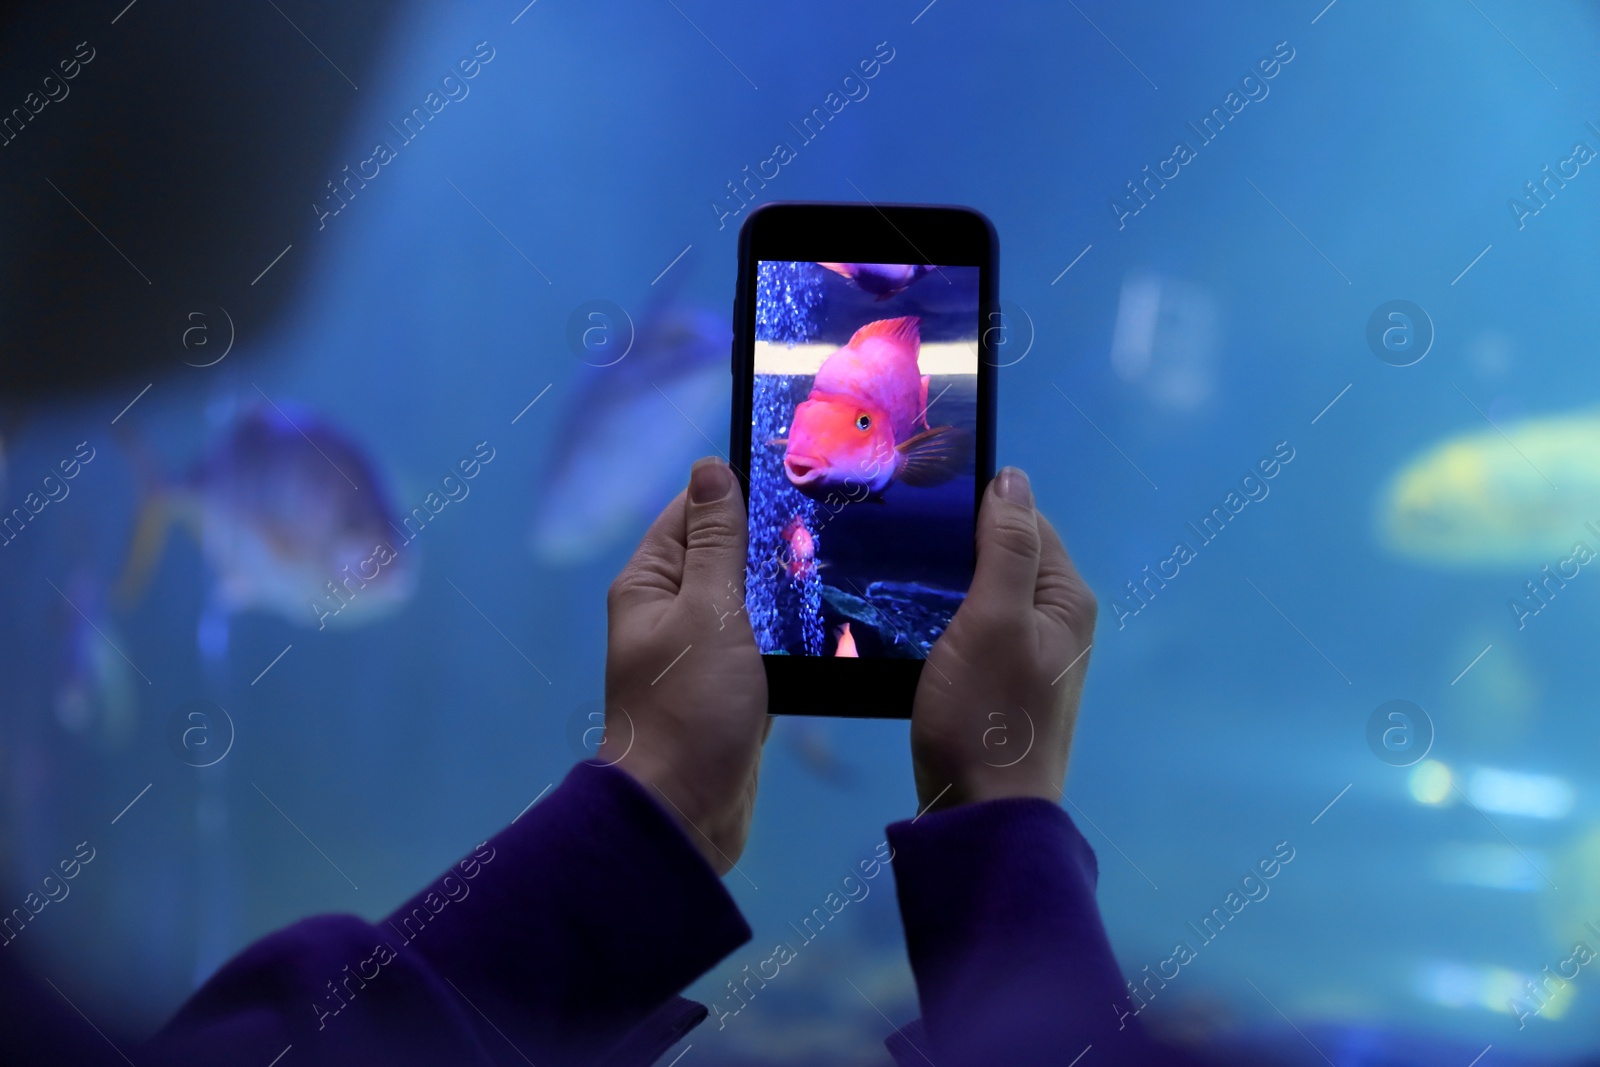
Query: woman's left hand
[686,694]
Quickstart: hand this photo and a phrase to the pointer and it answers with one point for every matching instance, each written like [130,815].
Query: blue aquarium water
[1300,320]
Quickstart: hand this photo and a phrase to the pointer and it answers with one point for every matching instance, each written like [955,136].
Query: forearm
[564,938]
[595,912]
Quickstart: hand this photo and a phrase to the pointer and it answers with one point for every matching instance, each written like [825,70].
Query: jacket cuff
[581,920]
[1003,931]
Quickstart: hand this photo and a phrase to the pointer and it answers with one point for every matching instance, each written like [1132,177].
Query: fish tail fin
[904,333]
[934,456]
[926,379]
[152,524]
[144,550]
[842,269]
[844,644]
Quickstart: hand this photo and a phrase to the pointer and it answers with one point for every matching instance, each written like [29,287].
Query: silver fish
[627,438]
[284,506]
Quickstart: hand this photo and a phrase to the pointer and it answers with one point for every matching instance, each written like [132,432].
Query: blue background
[597,141]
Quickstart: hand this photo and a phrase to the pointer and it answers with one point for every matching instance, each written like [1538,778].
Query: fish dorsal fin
[934,456]
[837,268]
[904,333]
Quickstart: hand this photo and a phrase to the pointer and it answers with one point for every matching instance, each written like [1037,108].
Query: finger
[715,538]
[656,569]
[1055,561]
[1060,591]
[1008,546]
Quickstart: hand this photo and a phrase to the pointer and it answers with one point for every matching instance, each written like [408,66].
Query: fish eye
[863,421]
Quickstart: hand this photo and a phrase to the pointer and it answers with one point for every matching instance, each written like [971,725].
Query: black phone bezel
[858,233]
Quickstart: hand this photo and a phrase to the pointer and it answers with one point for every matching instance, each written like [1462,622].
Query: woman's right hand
[998,699]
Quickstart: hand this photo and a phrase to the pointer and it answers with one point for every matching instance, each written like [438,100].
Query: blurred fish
[1481,499]
[858,426]
[96,695]
[630,432]
[802,549]
[847,645]
[287,509]
[1507,705]
[813,746]
[1166,340]
[883,280]
[1577,866]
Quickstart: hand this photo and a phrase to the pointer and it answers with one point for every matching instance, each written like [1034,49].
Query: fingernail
[710,480]
[1014,488]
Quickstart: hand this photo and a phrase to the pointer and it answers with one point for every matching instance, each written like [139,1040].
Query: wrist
[942,797]
[681,805]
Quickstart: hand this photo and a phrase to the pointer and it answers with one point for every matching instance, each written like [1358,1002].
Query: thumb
[715,537]
[1008,546]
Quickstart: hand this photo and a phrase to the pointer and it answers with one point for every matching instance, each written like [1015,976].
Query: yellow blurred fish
[1481,499]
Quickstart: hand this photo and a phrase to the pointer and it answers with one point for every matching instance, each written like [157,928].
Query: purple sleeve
[563,939]
[1011,960]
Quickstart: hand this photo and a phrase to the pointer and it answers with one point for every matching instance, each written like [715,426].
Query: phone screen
[864,417]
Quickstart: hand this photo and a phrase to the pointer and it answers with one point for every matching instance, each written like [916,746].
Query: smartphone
[863,434]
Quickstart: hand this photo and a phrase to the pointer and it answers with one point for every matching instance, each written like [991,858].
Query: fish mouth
[803,470]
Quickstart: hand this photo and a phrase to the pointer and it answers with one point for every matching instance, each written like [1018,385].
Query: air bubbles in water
[787,294]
